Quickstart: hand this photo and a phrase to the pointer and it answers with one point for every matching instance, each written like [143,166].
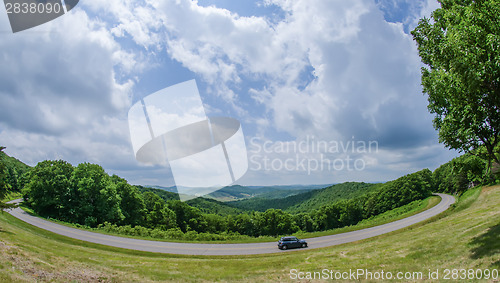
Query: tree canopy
[3,183]
[460,46]
[3,187]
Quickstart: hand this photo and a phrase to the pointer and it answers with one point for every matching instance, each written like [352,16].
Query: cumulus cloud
[330,68]
[366,78]
[61,95]
[60,76]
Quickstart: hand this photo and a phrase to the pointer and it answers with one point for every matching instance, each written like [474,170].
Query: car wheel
[304,245]
[284,247]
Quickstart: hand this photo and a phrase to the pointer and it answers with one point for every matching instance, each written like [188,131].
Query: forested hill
[307,201]
[165,195]
[238,192]
[203,204]
[14,170]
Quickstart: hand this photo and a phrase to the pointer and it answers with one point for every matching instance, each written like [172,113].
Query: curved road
[228,249]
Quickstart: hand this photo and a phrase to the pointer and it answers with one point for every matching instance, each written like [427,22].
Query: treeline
[464,172]
[386,197]
[87,195]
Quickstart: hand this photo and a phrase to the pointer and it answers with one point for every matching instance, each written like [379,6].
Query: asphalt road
[229,249]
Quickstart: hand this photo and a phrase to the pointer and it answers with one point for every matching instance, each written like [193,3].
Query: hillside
[165,195]
[306,201]
[210,206]
[14,169]
[278,194]
[238,192]
[466,237]
[13,163]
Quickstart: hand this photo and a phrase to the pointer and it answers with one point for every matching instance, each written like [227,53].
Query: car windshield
[289,239]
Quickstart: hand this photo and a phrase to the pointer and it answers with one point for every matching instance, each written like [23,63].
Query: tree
[158,214]
[460,45]
[276,222]
[93,196]
[48,188]
[161,217]
[3,184]
[131,203]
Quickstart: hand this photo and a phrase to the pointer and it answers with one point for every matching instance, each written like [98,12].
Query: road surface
[228,249]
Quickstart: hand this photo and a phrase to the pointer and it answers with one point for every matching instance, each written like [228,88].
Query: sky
[326,91]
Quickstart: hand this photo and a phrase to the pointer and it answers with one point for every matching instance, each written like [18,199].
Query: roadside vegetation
[466,236]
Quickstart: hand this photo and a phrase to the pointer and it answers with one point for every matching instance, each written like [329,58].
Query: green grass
[389,216]
[465,237]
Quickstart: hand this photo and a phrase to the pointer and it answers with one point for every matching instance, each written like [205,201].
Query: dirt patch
[30,268]
[492,188]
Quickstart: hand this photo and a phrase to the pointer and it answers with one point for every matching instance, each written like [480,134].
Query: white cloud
[363,64]
[61,96]
[67,85]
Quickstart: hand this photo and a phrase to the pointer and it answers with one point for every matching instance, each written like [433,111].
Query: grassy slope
[467,237]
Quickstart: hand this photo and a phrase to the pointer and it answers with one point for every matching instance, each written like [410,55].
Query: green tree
[276,222]
[93,196]
[304,221]
[131,203]
[460,45]
[150,199]
[161,217]
[158,214]
[187,217]
[3,184]
[48,188]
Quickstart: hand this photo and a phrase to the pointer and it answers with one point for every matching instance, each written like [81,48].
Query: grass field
[466,237]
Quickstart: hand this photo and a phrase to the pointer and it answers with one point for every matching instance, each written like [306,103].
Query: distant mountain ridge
[293,199]
[308,200]
[220,202]
[238,192]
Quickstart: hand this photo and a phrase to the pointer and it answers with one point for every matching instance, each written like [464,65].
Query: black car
[291,242]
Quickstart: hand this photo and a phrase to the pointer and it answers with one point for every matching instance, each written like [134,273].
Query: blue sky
[334,72]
